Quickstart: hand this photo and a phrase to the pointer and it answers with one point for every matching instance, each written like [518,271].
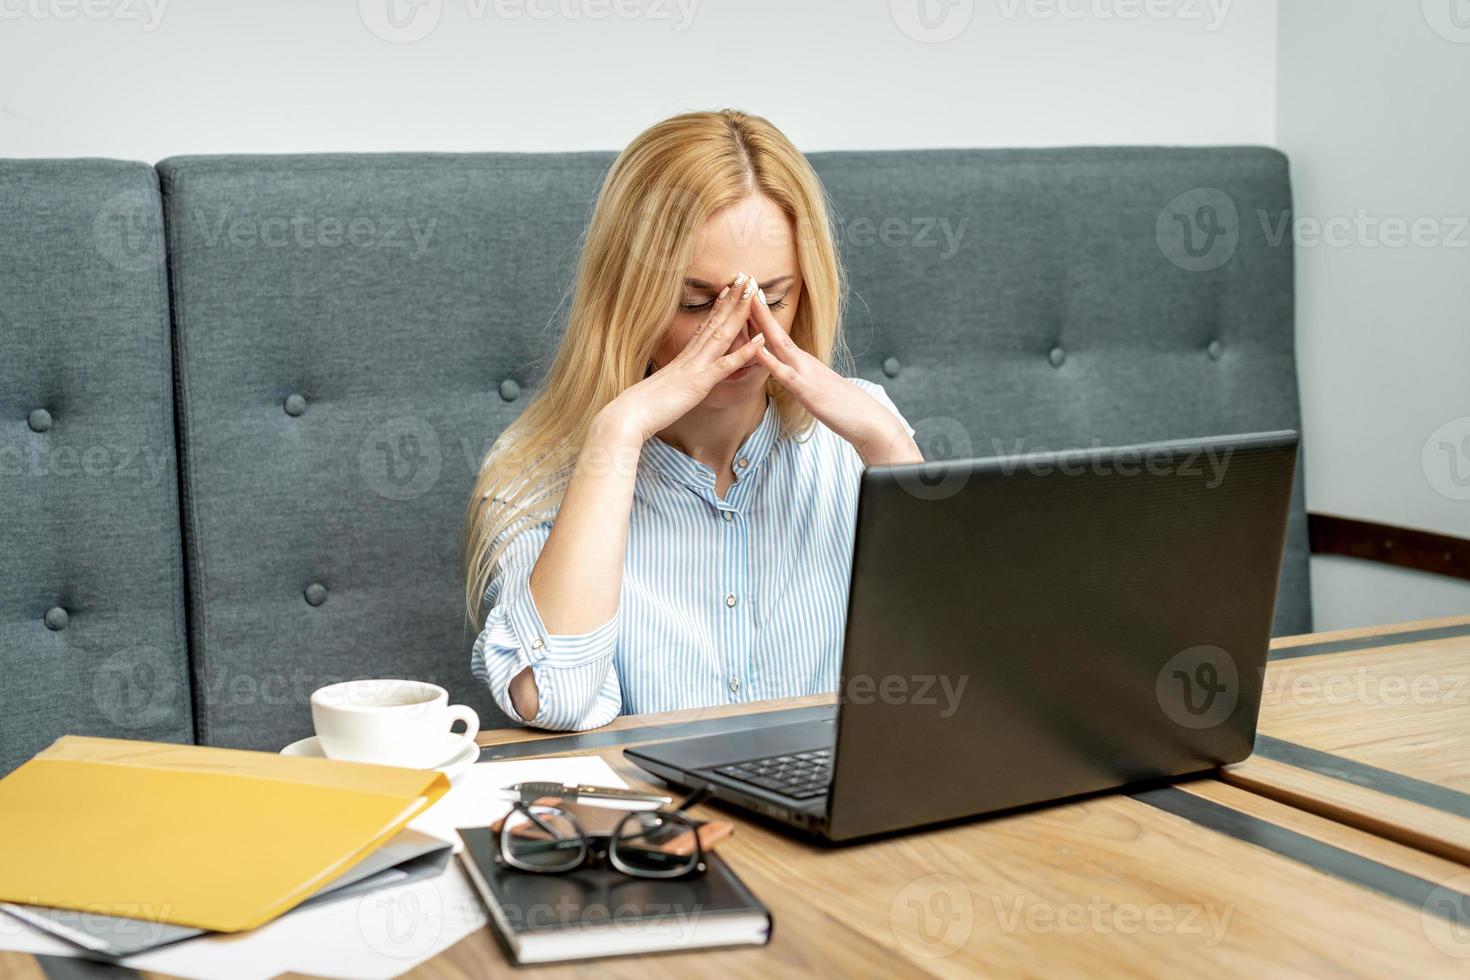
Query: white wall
[144,79]
[1372,111]
[1370,98]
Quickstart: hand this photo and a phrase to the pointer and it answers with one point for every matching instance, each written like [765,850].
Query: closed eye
[775,304]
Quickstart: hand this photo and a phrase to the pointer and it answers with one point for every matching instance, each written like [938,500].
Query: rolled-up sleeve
[576,682]
[879,393]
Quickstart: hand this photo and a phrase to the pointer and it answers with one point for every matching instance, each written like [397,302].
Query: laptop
[1025,629]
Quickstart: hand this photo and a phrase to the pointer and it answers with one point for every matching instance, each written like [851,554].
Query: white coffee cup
[391,723]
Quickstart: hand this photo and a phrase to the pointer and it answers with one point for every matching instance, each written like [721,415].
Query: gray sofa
[244,397]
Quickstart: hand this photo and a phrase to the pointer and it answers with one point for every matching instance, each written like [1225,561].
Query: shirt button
[743,462]
[734,685]
[730,600]
[729,516]
[537,644]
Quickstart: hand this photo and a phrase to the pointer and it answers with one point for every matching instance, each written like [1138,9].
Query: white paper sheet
[478,798]
[376,936]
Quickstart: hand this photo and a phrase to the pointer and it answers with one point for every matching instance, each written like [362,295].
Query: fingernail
[723,293]
[739,279]
[749,288]
[763,298]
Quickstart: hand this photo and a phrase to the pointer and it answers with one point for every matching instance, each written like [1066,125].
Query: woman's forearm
[579,574]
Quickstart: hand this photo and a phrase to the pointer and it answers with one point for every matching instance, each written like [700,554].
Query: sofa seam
[195,579]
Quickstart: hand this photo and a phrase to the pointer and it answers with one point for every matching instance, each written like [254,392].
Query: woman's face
[755,237]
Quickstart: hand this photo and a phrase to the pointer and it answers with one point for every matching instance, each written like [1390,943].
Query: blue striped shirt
[722,601]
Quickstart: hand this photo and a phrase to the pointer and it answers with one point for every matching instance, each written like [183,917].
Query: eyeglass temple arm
[695,798]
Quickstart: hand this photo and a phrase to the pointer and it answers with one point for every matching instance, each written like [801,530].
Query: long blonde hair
[657,196]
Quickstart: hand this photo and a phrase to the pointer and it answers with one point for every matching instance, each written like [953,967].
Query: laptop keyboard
[801,775]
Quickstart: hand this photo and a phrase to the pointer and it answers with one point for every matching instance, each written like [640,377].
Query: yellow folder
[218,839]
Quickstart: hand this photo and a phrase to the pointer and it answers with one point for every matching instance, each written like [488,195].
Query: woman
[669,523]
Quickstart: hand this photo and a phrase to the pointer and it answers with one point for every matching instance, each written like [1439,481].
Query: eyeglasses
[548,839]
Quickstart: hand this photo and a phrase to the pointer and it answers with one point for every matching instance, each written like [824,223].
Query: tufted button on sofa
[332,342]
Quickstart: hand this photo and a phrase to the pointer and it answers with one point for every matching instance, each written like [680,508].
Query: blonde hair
[657,196]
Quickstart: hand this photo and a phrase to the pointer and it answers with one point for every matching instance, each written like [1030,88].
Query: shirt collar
[663,459]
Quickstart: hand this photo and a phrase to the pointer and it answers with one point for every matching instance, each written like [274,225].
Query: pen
[532,791]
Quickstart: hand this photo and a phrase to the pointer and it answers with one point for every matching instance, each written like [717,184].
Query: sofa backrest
[351,333]
[1018,300]
[92,627]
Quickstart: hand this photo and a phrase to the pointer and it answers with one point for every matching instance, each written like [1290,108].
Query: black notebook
[597,911]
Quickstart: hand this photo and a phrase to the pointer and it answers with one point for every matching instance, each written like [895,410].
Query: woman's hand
[837,403]
[664,397]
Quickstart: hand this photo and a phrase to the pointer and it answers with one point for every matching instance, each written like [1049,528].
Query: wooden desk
[1206,878]
[1372,728]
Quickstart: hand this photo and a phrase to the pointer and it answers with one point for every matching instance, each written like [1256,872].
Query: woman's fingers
[733,313]
[780,341]
[779,369]
[739,357]
[717,314]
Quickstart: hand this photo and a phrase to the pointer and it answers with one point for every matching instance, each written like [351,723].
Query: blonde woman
[669,523]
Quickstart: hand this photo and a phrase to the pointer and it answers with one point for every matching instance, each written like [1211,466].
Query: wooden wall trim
[1425,551]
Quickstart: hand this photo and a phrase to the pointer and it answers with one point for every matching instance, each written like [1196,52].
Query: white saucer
[311,748]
